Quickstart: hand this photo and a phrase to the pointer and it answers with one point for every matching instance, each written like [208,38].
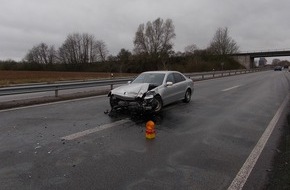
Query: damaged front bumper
[141,104]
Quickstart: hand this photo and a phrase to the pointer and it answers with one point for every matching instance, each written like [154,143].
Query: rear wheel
[187,96]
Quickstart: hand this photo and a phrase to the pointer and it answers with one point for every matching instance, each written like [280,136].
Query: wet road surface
[200,145]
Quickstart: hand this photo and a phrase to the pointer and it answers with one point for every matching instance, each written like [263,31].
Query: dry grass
[8,78]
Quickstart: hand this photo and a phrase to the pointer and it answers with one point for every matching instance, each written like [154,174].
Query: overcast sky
[253,24]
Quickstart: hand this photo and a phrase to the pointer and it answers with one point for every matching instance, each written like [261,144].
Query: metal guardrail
[59,86]
[215,74]
[109,82]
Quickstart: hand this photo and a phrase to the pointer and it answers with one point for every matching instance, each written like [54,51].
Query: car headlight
[140,94]
[149,95]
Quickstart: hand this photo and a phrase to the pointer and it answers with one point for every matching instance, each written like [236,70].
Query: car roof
[162,72]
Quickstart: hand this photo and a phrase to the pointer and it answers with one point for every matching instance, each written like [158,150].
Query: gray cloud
[255,25]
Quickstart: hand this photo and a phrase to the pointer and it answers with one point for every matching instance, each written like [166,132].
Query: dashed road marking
[231,88]
[94,130]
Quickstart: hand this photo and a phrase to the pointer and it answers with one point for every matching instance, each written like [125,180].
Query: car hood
[131,90]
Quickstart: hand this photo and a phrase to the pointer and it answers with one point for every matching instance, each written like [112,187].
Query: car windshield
[152,78]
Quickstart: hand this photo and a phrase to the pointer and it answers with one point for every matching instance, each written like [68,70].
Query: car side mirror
[169,83]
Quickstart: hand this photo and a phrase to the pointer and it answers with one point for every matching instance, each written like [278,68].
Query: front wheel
[158,104]
[187,96]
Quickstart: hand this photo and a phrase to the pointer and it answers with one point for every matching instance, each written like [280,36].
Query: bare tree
[69,52]
[222,43]
[275,61]
[123,58]
[156,38]
[190,49]
[101,50]
[82,49]
[42,54]
[52,55]
[262,61]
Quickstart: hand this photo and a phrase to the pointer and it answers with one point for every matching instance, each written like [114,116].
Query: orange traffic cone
[150,130]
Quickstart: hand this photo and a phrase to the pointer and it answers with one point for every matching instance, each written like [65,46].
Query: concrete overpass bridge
[247,58]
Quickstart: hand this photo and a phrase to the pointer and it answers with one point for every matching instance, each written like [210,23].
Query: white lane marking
[227,89]
[94,130]
[243,174]
[51,103]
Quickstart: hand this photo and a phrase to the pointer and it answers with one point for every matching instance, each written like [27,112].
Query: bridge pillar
[252,62]
[246,60]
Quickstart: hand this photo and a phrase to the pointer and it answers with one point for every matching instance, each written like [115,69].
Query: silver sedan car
[152,90]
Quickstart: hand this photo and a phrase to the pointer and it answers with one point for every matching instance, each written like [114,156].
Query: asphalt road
[200,145]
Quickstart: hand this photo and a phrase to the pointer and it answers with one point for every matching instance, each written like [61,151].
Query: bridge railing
[24,89]
[263,51]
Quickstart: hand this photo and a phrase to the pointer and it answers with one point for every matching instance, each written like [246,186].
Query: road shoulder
[272,170]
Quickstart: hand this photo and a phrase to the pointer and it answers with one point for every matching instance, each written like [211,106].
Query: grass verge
[8,78]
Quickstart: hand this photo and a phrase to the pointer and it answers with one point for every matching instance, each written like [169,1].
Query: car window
[178,77]
[170,78]
[152,78]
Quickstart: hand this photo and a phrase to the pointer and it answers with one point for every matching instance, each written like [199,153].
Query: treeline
[199,62]
[153,50]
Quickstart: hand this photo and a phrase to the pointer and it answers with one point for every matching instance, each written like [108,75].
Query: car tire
[187,96]
[159,104]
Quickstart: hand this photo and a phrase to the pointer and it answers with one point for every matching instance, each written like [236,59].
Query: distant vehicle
[152,90]
[278,68]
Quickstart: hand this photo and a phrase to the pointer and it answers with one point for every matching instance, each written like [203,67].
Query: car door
[169,91]
[180,86]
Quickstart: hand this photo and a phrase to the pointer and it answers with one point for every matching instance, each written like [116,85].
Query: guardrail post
[112,77]
[56,92]
[202,76]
